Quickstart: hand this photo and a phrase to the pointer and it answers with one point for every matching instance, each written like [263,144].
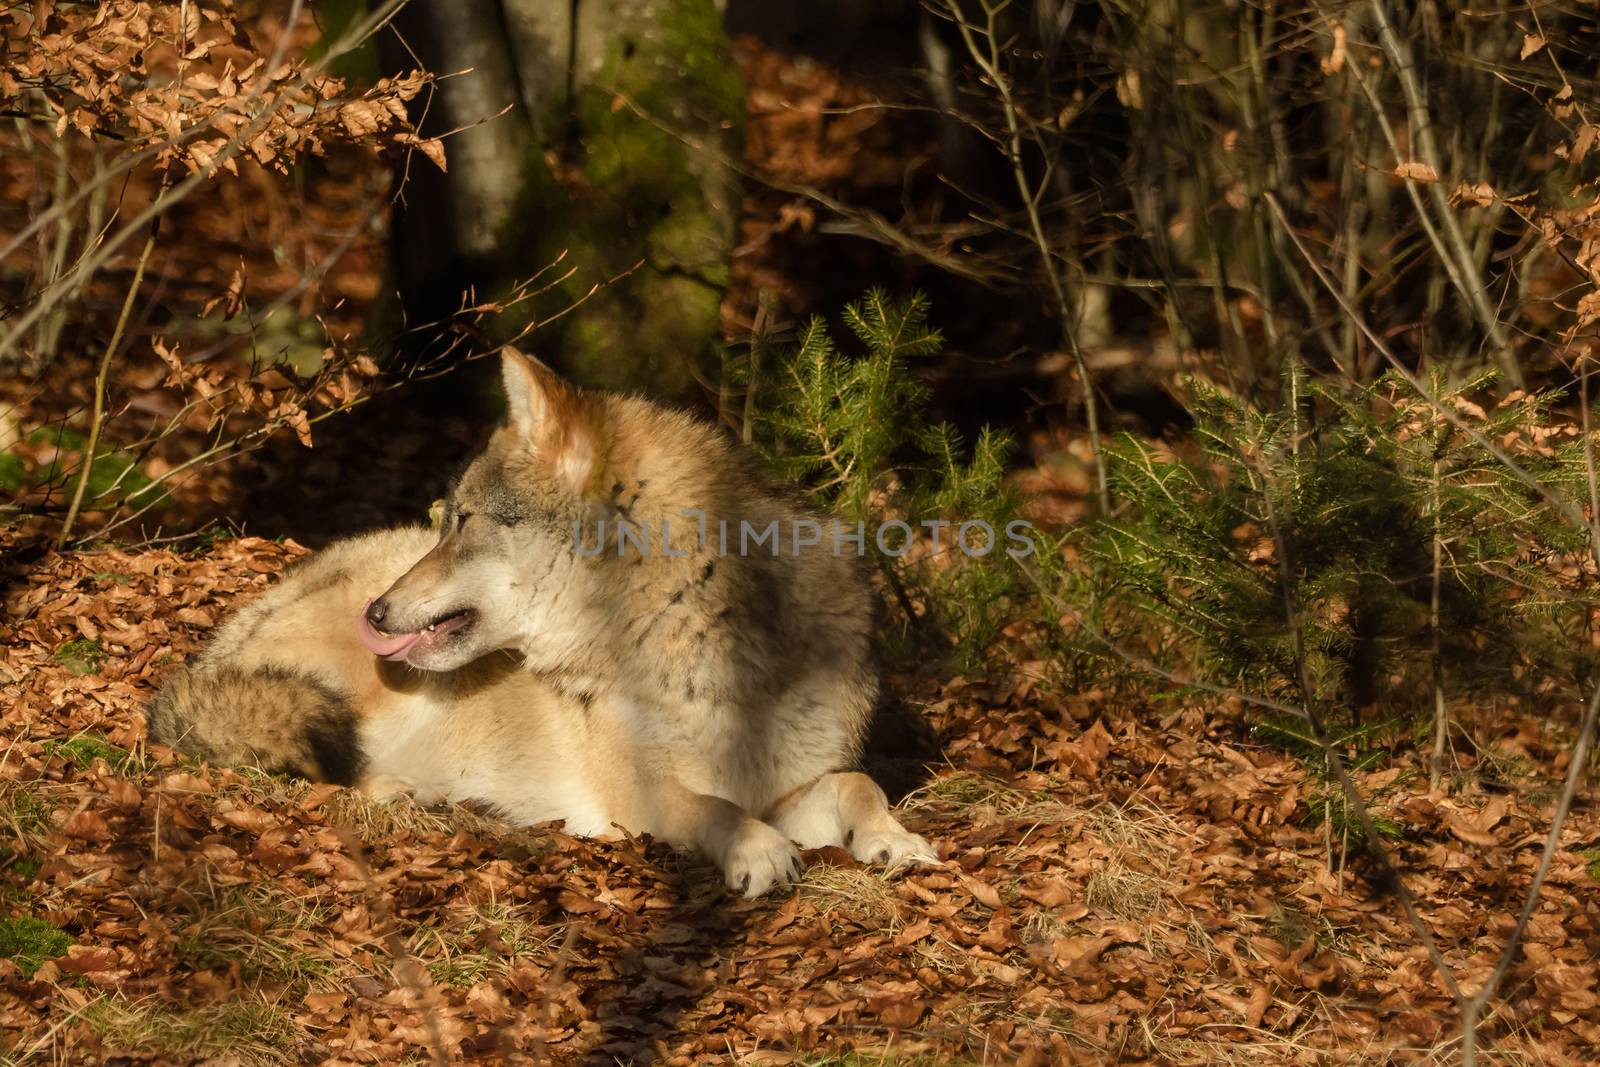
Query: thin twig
[97,416]
[436,367]
[1565,508]
[1441,713]
[1458,254]
[1569,791]
[988,61]
[867,223]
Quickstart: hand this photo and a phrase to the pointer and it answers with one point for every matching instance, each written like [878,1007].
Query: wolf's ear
[550,416]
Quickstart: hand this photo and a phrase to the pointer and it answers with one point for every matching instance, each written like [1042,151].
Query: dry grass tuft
[982,798]
[863,896]
[247,1031]
[1125,893]
[264,932]
[1136,826]
[25,811]
[378,819]
[375,820]
[479,942]
[1043,926]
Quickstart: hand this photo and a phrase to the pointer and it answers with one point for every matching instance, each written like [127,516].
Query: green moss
[115,474]
[358,64]
[646,197]
[680,310]
[81,656]
[675,67]
[83,750]
[10,472]
[23,811]
[17,869]
[628,157]
[1593,856]
[688,238]
[29,942]
[675,314]
[678,59]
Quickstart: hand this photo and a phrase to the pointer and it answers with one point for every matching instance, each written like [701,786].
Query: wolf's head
[505,566]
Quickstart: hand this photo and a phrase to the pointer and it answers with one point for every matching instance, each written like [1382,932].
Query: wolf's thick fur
[710,697]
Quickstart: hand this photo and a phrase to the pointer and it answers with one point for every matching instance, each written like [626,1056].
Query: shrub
[852,430]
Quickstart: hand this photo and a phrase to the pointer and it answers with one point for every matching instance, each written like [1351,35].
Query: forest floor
[1128,876]
[1123,880]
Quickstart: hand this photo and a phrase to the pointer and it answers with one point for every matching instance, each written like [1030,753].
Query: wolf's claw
[893,849]
[761,859]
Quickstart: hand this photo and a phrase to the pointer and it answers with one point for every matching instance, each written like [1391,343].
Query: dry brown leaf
[251,820]
[433,148]
[1481,194]
[88,825]
[1333,62]
[982,892]
[1413,170]
[901,1011]
[1084,754]
[1462,829]
[184,782]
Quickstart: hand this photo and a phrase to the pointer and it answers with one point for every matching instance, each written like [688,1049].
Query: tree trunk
[620,129]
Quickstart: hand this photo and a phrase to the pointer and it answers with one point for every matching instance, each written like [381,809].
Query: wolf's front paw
[760,859]
[893,848]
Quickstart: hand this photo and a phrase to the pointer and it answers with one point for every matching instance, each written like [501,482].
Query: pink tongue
[389,646]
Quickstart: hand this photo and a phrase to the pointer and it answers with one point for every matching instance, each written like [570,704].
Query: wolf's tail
[279,720]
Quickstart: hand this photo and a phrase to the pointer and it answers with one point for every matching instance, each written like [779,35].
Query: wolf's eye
[461,519]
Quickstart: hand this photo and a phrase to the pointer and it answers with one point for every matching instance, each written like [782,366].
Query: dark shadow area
[381,464]
[916,166]
[845,33]
[901,749]
[663,976]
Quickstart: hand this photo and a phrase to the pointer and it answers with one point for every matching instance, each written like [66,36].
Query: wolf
[661,678]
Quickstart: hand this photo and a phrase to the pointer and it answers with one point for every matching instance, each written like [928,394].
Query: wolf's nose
[377,611]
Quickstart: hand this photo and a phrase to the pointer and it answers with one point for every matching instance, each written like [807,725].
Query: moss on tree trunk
[623,118]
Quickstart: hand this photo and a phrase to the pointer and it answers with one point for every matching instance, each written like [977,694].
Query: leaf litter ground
[1123,881]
